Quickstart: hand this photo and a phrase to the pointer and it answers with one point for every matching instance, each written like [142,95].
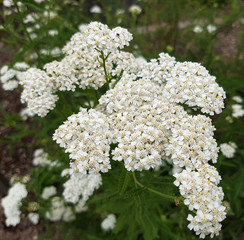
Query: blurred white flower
[228,149]
[12,202]
[229,119]
[48,192]
[81,185]
[120,12]
[25,113]
[109,222]
[10,3]
[30,18]
[238,99]
[33,35]
[59,211]
[56,52]
[211,28]
[238,111]
[135,10]
[65,172]
[197,29]
[33,217]
[40,158]
[53,32]
[82,28]
[95,9]
[141,60]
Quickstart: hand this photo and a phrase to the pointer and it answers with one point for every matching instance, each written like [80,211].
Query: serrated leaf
[134,192]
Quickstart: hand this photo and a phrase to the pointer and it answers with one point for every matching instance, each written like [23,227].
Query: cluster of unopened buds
[143,114]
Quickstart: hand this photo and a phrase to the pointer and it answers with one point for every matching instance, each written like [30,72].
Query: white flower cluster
[40,158]
[85,184]
[81,67]
[95,9]
[59,211]
[10,3]
[87,138]
[25,114]
[210,28]
[191,84]
[237,110]
[201,193]
[38,91]
[197,29]
[147,128]
[135,10]
[98,36]
[55,52]
[109,222]
[142,115]
[238,99]
[228,149]
[48,192]
[10,77]
[33,217]
[12,202]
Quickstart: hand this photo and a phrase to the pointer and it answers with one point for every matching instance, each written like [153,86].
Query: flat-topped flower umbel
[142,113]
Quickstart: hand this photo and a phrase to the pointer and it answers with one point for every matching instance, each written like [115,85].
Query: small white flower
[238,99]
[109,222]
[53,32]
[228,150]
[197,29]
[8,3]
[211,28]
[95,9]
[34,218]
[12,202]
[229,119]
[25,113]
[135,10]
[81,185]
[141,60]
[59,211]
[238,111]
[48,192]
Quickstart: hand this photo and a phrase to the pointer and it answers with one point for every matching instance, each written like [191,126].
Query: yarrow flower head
[12,203]
[48,192]
[199,188]
[86,136]
[197,29]
[95,9]
[135,10]
[228,149]
[10,77]
[81,67]
[59,211]
[85,184]
[109,222]
[142,115]
[33,217]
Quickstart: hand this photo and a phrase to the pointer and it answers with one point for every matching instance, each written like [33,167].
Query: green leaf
[124,182]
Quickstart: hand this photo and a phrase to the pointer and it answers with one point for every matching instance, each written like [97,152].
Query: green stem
[107,76]
[105,70]
[152,190]
[25,29]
